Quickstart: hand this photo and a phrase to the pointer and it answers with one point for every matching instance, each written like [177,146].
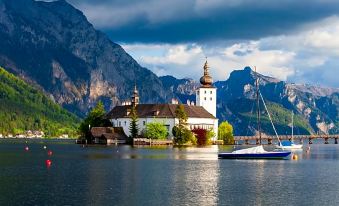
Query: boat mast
[292,125]
[258,103]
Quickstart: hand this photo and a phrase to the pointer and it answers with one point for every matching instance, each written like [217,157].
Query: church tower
[135,96]
[206,94]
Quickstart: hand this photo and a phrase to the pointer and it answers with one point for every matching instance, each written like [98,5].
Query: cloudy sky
[292,40]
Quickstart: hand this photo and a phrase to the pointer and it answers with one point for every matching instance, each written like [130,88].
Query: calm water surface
[100,175]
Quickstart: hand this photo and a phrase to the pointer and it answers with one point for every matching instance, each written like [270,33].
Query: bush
[156,130]
[204,137]
[185,136]
[201,135]
[175,131]
[225,133]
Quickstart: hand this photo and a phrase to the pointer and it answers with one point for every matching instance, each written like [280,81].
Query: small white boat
[289,145]
[254,153]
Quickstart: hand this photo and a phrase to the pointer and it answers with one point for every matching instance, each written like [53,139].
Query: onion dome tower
[206,80]
[206,94]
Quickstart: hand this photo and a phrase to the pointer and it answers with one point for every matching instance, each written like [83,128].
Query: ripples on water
[101,175]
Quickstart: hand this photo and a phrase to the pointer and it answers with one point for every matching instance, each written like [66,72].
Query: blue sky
[291,40]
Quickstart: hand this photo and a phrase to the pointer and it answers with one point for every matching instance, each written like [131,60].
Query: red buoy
[49,153]
[26,148]
[48,163]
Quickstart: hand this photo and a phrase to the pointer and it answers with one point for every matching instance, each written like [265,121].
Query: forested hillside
[23,107]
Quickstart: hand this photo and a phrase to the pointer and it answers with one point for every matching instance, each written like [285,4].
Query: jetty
[145,141]
[268,139]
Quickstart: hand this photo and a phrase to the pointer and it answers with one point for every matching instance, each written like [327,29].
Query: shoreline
[38,138]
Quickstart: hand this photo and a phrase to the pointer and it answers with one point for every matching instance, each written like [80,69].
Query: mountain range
[53,47]
[316,108]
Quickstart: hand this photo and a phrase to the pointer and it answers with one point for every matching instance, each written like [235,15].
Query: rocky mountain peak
[248,76]
[54,46]
[316,108]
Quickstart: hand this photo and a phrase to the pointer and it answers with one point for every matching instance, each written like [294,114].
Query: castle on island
[202,115]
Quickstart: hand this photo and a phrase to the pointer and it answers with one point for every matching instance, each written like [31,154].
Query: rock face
[316,108]
[52,45]
[184,89]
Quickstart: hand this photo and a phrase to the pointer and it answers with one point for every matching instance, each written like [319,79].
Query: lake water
[110,175]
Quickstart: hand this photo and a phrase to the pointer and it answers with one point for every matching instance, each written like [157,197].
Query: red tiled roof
[158,110]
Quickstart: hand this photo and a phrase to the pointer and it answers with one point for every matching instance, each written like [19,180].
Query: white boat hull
[257,152]
[293,146]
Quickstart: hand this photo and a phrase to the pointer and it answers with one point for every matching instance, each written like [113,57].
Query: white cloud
[308,55]
[317,38]
[177,54]
[184,60]
[180,60]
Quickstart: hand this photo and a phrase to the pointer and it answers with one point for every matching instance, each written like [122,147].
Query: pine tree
[181,115]
[133,127]
[181,133]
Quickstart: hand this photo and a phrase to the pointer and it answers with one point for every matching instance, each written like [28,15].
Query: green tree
[181,115]
[133,127]
[182,135]
[156,130]
[225,133]
[95,118]
[210,134]
[187,137]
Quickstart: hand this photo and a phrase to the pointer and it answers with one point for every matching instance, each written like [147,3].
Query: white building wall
[205,123]
[207,98]
[125,123]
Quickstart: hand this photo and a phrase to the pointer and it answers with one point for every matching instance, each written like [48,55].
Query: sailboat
[289,144]
[257,152]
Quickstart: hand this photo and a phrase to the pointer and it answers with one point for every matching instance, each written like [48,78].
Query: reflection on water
[111,175]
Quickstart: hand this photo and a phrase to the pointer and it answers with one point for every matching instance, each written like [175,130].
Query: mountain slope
[184,89]
[52,45]
[316,108]
[24,108]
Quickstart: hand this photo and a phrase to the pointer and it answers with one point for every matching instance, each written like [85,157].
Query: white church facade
[202,115]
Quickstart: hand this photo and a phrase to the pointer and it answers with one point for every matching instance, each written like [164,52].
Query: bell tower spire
[135,96]
[206,80]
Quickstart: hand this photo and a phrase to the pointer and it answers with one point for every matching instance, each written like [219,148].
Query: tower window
[204,98]
[205,92]
[211,92]
[211,98]
[144,123]
[125,123]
